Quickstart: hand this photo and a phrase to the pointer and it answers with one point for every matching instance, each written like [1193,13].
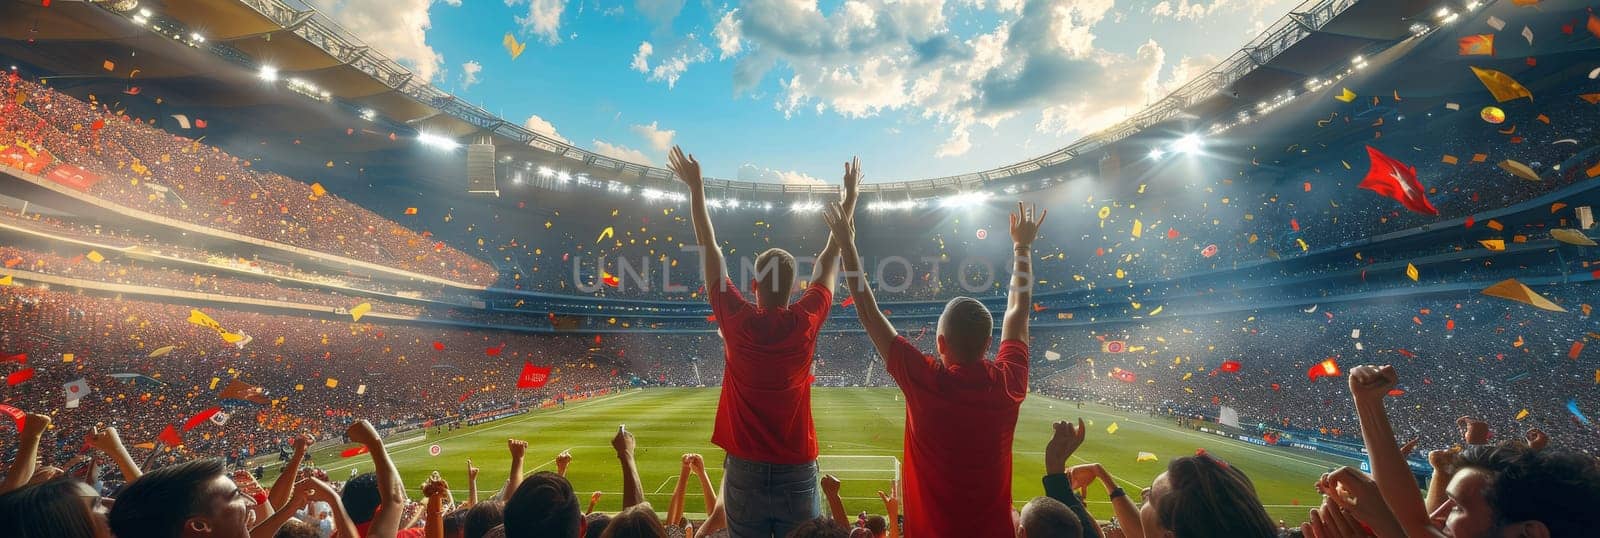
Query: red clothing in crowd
[959,424]
[764,414]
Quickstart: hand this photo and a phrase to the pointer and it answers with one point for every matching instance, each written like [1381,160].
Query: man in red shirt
[961,410]
[764,416]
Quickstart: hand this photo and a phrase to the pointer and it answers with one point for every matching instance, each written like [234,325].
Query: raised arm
[675,508]
[688,171]
[842,225]
[107,441]
[283,487]
[1019,304]
[33,428]
[826,269]
[1127,513]
[391,490]
[830,490]
[1368,386]
[472,485]
[1058,484]
[891,508]
[518,449]
[433,524]
[268,527]
[697,464]
[343,526]
[632,490]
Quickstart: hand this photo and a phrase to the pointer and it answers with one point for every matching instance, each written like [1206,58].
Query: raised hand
[594,498]
[562,461]
[852,176]
[1372,383]
[841,224]
[435,488]
[362,432]
[1083,475]
[1473,431]
[685,167]
[45,474]
[1066,440]
[35,425]
[830,485]
[697,464]
[1442,460]
[105,439]
[623,442]
[1329,521]
[302,441]
[891,504]
[517,448]
[1024,229]
[1409,447]
[472,472]
[1356,494]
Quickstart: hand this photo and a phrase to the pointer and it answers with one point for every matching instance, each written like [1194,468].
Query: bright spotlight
[965,199]
[1156,154]
[436,141]
[268,73]
[197,38]
[546,172]
[805,207]
[1189,144]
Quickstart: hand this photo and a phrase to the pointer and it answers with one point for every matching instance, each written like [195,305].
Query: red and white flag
[76,390]
[1394,179]
[533,376]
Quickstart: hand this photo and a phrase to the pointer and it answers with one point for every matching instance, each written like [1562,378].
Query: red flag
[21,358]
[1407,353]
[495,351]
[19,376]
[97,125]
[849,300]
[533,376]
[200,418]
[1397,180]
[1327,367]
[1230,366]
[199,124]
[1277,387]
[1124,376]
[1575,350]
[1294,224]
[170,436]
[354,451]
[1172,233]
[1209,251]
[1397,392]
[438,346]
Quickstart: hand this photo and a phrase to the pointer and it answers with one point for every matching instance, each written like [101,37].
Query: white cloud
[543,19]
[469,74]
[671,66]
[542,126]
[871,56]
[727,34]
[397,28]
[659,139]
[751,172]
[641,58]
[452,3]
[1192,10]
[617,151]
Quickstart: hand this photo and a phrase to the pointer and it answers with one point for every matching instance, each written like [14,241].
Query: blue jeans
[767,499]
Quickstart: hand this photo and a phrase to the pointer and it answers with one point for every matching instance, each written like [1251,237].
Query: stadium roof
[338,77]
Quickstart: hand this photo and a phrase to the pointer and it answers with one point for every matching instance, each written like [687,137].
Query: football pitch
[859,431]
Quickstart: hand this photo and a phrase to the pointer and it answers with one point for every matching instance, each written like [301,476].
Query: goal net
[862,477]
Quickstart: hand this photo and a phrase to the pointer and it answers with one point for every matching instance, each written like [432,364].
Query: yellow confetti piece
[1493,244]
[1105,211]
[605,234]
[95,256]
[1522,414]
[1138,228]
[1411,271]
[1112,429]
[332,383]
[1157,310]
[360,310]
[1346,96]
[1495,225]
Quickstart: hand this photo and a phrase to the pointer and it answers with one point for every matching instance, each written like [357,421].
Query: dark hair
[877,525]
[544,506]
[967,326]
[821,527]
[360,498]
[1210,498]
[595,524]
[157,504]
[637,521]
[294,528]
[49,510]
[455,522]
[484,516]
[1044,517]
[1556,487]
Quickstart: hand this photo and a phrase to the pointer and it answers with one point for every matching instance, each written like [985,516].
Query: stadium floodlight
[368,114]
[436,141]
[196,37]
[965,199]
[563,176]
[268,73]
[1474,5]
[805,207]
[766,206]
[1189,144]
[546,172]
[1156,154]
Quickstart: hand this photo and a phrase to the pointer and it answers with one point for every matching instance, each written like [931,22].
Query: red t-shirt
[765,411]
[959,424]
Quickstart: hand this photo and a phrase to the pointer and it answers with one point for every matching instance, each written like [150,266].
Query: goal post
[864,473]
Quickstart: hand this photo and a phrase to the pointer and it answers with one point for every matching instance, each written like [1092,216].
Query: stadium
[262,243]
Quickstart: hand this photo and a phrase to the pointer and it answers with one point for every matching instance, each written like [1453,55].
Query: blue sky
[787,90]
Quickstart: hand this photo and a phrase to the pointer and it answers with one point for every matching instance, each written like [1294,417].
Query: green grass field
[851,423]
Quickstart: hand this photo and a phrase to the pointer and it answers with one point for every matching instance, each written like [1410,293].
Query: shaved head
[964,330]
[1044,517]
[775,270]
